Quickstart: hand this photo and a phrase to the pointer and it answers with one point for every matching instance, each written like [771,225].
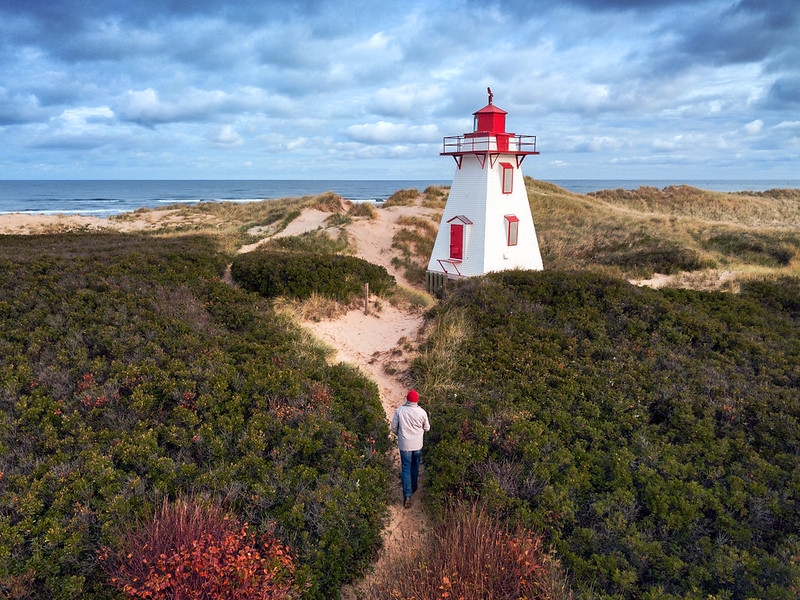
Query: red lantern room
[490,119]
[489,136]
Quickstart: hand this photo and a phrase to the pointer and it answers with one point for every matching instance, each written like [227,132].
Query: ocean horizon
[105,198]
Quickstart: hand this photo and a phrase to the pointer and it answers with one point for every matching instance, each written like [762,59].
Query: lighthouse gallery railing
[459,144]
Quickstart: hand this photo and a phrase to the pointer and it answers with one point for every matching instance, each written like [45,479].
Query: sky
[352,89]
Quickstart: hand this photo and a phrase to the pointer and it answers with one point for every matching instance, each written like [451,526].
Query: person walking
[409,424]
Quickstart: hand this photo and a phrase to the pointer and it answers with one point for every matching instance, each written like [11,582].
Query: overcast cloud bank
[322,89]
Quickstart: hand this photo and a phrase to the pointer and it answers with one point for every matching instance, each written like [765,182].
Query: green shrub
[646,433]
[130,373]
[273,274]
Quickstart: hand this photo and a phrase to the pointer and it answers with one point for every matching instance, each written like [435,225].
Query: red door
[456,241]
[502,142]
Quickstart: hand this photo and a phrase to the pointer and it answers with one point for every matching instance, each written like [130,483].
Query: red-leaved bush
[190,552]
[469,554]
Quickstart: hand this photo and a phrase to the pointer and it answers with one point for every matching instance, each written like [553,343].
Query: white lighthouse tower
[487,224]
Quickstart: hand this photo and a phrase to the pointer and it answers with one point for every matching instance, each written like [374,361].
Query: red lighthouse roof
[490,119]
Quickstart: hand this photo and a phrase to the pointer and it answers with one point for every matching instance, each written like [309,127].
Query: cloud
[383,132]
[77,128]
[147,108]
[754,127]
[784,93]
[604,84]
[16,108]
[226,136]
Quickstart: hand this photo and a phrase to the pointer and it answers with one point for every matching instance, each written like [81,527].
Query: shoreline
[106,199]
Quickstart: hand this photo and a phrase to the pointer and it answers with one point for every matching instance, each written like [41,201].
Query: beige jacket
[409,424]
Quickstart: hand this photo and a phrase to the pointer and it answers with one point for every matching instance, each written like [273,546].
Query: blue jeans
[409,470]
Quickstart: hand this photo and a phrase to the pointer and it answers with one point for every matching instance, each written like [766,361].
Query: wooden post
[366,298]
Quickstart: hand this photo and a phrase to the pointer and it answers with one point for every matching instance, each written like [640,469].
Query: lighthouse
[487,224]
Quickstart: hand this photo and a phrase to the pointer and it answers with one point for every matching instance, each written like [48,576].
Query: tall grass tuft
[363,209]
[405,197]
[414,240]
[470,555]
[437,360]
[314,308]
[318,241]
[328,202]
[435,197]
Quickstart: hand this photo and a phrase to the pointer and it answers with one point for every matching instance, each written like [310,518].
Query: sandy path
[381,344]
[373,343]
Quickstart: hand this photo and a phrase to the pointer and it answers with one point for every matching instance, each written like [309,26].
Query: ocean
[107,197]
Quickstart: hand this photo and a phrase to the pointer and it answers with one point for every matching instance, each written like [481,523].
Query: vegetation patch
[363,209]
[299,275]
[189,550]
[405,197]
[635,233]
[318,241]
[647,434]
[756,248]
[645,256]
[435,197]
[328,202]
[414,240]
[130,375]
[470,554]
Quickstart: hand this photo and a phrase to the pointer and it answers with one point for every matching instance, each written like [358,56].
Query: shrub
[471,555]
[273,274]
[190,552]
[642,432]
[130,372]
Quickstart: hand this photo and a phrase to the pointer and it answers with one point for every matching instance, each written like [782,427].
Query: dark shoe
[407,502]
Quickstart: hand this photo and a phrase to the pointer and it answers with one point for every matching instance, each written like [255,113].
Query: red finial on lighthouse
[491,95]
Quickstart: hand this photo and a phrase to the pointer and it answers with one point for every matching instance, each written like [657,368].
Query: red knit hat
[412,396]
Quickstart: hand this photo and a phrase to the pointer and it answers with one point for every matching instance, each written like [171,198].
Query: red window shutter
[512,229]
[508,177]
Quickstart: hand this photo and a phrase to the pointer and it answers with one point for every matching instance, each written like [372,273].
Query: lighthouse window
[512,229]
[508,177]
